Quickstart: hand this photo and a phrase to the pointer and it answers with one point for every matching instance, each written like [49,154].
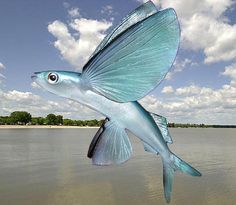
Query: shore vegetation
[25,118]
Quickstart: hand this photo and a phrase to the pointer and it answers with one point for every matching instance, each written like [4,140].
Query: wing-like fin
[163,126]
[111,145]
[142,12]
[136,60]
[148,148]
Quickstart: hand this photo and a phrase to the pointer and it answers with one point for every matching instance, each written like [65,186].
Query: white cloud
[215,37]
[108,9]
[37,106]
[2,66]
[195,104]
[168,90]
[188,90]
[204,27]
[78,44]
[179,66]
[74,12]
[230,71]
[35,85]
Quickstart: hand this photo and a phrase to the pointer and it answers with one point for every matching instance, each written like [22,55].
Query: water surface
[50,167]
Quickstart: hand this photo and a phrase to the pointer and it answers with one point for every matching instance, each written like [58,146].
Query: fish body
[130,62]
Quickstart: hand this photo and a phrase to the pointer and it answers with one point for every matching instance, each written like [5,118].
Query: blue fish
[130,62]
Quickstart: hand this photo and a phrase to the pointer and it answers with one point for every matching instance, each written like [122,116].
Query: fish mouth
[34,76]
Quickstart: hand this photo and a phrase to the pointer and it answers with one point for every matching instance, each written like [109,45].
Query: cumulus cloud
[167,90]
[1,66]
[77,40]
[179,65]
[205,27]
[188,90]
[195,104]
[230,71]
[37,106]
[74,12]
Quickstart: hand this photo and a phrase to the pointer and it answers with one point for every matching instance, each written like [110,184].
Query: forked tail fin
[169,167]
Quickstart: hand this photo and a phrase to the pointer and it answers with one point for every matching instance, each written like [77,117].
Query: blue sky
[41,35]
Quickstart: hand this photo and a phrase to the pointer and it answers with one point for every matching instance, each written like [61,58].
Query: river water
[50,167]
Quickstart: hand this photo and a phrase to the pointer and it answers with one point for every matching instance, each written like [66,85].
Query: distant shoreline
[40,126]
[77,127]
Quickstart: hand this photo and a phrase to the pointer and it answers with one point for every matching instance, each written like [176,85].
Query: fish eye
[52,78]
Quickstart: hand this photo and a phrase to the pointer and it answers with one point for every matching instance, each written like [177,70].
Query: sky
[61,35]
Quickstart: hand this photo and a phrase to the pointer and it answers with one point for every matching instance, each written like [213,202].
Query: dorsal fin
[163,126]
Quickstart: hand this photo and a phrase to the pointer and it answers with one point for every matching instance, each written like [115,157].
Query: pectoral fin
[142,12]
[136,60]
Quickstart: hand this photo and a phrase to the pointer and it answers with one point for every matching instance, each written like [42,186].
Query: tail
[169,167]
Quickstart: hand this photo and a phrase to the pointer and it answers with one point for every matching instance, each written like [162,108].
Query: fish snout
[34,76]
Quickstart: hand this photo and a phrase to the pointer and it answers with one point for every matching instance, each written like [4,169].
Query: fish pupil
[53,77]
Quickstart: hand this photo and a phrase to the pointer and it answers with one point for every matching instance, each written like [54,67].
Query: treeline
[188,125]
[23,118]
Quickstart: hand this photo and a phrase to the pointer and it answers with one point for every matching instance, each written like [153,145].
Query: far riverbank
[41,126]
[96,127]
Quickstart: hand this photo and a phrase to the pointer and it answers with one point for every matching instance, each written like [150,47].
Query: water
[50,167]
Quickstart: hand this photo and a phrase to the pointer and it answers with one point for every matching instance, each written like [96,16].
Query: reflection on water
[50,167]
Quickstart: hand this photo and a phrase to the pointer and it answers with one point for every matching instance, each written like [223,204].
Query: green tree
[59,119]
[79,122]
[41,120]
[20,117]
[51,119]
[68,122]
[38,121]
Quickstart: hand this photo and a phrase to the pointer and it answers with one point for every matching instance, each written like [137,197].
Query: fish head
[62,83]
